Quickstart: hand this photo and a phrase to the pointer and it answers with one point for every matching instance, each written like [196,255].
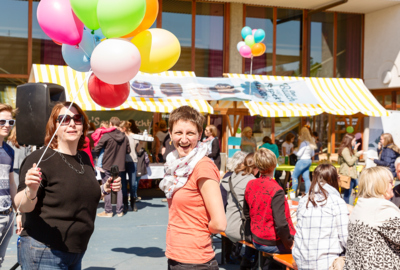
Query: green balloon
[350,129]
[120,17]
[249,41]
[239,131]
[86,11]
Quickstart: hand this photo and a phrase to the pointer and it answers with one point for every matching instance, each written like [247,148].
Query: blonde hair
[388,140]
[13,137]
[127,125]
[104,124]
[245,130]
[213,130]
[305,136]
[374,182]
[265,160]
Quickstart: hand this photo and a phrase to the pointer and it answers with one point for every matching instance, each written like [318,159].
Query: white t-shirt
[288,148]
[161,136]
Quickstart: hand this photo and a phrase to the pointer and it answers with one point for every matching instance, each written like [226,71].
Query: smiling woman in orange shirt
[191,185]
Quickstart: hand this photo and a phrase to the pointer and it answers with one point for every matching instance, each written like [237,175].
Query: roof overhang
[352,6]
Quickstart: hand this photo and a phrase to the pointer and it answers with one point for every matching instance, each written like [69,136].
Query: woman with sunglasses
[60,197]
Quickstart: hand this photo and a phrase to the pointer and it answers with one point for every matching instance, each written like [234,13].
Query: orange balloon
[149,18]
[258,49]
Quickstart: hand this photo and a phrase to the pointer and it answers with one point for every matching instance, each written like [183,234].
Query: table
[290,168]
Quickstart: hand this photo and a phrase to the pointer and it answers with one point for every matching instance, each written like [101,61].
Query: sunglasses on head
[78,119]
[10,122]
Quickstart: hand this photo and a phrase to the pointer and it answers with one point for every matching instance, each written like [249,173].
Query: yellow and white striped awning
[338,96]
[71,80]
[268,109]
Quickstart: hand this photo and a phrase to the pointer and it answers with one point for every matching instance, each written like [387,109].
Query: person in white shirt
[322,220]
[304,153]
[287,146]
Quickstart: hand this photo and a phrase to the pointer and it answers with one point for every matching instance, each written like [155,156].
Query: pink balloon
[115,61]
[253,31]
[59,22]
[245,51]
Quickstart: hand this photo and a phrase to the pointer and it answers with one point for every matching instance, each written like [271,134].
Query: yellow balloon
[159,50]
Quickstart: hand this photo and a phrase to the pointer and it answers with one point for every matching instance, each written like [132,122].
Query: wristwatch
[103,191]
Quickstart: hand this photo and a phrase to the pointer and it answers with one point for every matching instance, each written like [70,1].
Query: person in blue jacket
[388,153]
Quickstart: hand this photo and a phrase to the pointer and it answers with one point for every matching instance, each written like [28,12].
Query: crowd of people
[55,193]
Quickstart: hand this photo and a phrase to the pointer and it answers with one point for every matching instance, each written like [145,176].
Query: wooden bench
[285,259]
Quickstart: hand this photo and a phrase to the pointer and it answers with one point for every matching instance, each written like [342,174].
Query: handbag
[245,226]
[344,181]
[292,159]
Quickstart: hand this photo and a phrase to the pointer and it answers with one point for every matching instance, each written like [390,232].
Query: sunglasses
[3,122]
[78,119]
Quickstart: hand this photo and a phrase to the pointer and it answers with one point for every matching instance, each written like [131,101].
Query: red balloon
[56,42]
[108,95]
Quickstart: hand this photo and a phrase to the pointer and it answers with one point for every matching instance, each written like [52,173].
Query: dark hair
[315,134]
[52,125]
[323,174]
[346,143]
[267,139]
[92,126]
[186,113]
[247,166]
[134,128]
[115,121]
[289,137]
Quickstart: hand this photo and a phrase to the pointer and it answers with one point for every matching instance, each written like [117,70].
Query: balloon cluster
[251,46]
[112,39]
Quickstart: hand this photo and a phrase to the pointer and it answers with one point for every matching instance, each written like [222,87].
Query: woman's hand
[110,186]
[379,145]
[18,219]
[360,152]
[356,147]
[33,178]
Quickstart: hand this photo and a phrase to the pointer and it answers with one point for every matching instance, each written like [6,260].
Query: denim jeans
[272,249]
[211,265]
[6,231]
[130,168]
[34,255]
[107,198]
[302,168]
[347,192]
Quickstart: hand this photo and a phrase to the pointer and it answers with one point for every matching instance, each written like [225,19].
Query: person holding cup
[348,156]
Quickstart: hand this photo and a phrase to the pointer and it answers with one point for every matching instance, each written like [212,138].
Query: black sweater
[64,215]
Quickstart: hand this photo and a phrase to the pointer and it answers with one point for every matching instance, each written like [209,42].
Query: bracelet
[103,191]
[26,195]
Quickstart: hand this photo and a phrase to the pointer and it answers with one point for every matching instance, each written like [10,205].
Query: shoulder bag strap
[237,200]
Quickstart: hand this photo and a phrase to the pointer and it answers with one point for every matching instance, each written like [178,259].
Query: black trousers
[211,265]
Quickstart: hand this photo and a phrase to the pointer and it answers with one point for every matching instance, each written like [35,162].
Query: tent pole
[251,65]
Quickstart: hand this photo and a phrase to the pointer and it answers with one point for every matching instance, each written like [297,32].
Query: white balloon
[115,61]
[240,44]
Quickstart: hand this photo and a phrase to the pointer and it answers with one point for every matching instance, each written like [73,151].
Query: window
[261,18]
[209,39]
[349,28]
[177,18]
[44,50]
[289,42]
[14,37]
[321,45]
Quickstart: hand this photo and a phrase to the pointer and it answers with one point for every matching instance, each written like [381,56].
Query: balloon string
[72,102]
[87,55]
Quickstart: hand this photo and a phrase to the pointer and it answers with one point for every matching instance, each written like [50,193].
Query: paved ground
[135,241]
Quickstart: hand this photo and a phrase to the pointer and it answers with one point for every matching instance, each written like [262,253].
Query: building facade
[313,38]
